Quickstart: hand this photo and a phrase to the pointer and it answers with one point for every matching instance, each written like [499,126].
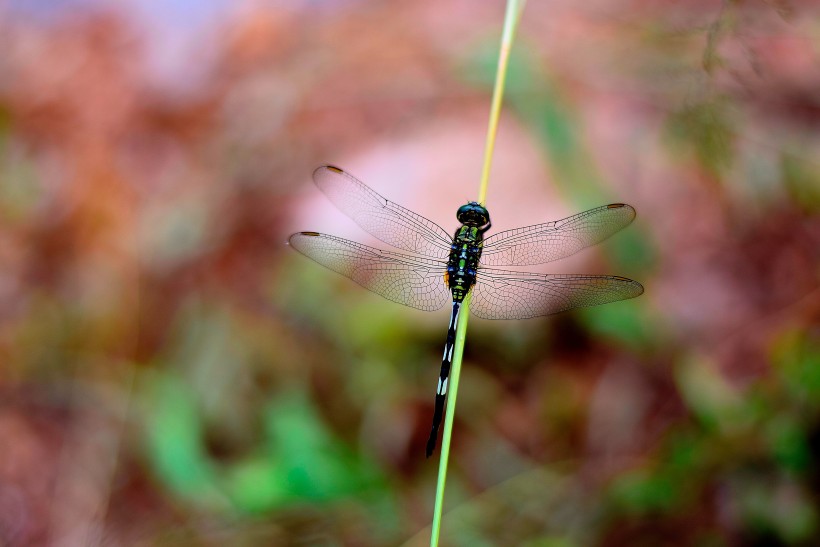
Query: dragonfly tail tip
[431,446]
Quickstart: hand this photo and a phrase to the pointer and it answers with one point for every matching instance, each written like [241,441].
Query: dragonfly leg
[441,389]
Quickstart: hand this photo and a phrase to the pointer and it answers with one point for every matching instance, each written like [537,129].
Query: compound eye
[465,212]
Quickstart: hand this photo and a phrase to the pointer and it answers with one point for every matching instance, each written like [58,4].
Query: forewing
[409,280]
[382,218]
[542,243]
[502,294]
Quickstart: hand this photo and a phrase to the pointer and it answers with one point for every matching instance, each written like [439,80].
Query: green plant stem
[455,373]
[511,18]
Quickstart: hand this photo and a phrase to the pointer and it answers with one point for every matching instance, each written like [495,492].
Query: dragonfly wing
[413,281]
[501,294]
[382,218]
[542,243]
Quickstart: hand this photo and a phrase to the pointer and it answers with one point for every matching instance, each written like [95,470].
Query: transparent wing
[413,281]
[542,243]
[502,294]
[384,219]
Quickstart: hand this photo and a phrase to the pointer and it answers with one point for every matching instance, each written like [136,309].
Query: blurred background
[172,374]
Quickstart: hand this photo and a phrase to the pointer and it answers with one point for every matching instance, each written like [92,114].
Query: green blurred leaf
[707,129]
[622,321]
[257,484]
[778,507]
[175,446]
[300,460]
[802,180]
[685,453]
[630,250]
[314,465]
[21,189]
[796,356]
[555,124]
[711,398]
[643,492]
[788,443]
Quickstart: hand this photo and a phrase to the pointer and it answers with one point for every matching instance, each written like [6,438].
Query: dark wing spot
[334,169]
[615,205]
[311,234]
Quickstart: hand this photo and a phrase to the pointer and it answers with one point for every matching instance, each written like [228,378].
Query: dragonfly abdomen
[441,388]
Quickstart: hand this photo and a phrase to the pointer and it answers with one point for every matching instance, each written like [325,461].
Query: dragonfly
[444,268]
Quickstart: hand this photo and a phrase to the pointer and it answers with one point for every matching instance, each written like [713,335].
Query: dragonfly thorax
[473,214]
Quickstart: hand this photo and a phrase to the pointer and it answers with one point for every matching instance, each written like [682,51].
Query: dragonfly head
[473,214]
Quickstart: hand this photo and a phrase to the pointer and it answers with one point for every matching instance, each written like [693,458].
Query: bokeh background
[172,374]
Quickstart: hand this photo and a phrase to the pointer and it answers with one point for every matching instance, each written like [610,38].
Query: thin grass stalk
[455,373]
[511,18]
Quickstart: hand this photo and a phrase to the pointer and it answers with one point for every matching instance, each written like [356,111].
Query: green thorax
[463,261]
